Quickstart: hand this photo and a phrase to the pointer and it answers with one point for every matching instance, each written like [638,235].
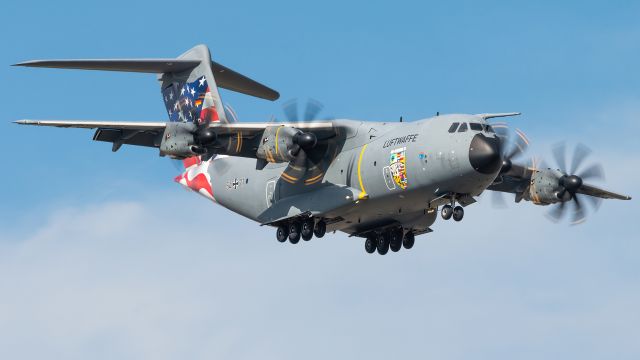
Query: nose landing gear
[448,211]
[458,213]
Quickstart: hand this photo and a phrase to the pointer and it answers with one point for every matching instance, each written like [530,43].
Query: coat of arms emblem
[398,167]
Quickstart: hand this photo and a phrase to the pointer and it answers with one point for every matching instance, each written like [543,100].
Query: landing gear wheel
[294,232]
[458,213]
[282,233]
[395,240]
[320,229]
[307,230]
[446,212]
[370,244]
[382,244]
[409,240]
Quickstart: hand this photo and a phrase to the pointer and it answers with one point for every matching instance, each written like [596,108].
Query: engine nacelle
[178,141]
[276,143]
[544,187]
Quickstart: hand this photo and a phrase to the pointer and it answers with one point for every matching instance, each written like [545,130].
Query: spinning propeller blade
[571,181]
[309,152]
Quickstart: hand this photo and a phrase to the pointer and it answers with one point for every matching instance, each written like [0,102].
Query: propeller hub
[571,182]
[305,140]
[206,136]
[506,166]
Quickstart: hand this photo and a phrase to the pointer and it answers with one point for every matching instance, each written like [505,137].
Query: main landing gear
[301,229]
[393,239]
[448,211]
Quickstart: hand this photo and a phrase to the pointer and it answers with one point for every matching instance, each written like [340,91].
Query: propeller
[308,151]
[513,143]
[571,181]
[205,137]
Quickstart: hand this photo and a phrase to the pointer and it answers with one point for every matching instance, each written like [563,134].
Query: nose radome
[484,154]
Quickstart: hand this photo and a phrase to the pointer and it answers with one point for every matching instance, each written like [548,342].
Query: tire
[409,240]
[370,244]
[294,232]
[307,230]
[382,244]
[446,212]
[282,233]
[395,240]
[458,213]
[320,229]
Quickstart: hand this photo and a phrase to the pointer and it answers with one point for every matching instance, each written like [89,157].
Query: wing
[518,179]
[139,133]
[600,193]
[149,134]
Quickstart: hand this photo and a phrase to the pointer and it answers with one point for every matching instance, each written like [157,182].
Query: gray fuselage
[359,190]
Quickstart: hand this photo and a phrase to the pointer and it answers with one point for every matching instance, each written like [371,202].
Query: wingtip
[24,63]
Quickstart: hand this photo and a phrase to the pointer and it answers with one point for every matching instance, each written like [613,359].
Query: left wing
[150,134]
[128,125]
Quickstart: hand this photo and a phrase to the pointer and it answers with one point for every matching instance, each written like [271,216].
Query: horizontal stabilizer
[225,77]
[155,66]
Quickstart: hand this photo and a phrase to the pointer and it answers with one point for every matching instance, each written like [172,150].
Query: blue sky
[104,256]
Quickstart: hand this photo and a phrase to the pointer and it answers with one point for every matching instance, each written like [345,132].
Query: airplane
[380,181]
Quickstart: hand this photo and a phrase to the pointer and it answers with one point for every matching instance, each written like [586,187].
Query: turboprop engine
[545,188]
[284,144]
[183,140]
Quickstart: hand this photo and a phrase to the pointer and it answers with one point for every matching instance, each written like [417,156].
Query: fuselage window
[488,129]
[475,126]
[463,127]
[453,127]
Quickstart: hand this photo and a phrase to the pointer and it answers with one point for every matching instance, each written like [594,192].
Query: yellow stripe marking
[363,194]
[277,131]
[238,142]
[289,177]
[314,179]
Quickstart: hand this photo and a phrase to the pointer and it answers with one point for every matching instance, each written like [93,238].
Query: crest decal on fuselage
[398,167]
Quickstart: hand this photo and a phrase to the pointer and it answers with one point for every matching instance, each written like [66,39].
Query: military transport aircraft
[381,181]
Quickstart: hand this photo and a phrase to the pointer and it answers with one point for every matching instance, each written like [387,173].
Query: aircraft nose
[484,154]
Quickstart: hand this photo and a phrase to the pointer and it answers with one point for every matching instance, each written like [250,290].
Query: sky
[104,256]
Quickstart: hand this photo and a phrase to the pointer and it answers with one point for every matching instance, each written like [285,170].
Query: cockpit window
[488,129]
[475,126]
[453,127]
[462,127]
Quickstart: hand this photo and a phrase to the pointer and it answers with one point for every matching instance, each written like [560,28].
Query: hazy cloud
[179,278]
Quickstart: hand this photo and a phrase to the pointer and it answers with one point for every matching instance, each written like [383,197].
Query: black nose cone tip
[484,154]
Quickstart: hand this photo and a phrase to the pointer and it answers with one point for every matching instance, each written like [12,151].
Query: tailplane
[192,78]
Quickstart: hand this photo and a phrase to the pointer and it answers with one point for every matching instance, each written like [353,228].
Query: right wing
[518,179]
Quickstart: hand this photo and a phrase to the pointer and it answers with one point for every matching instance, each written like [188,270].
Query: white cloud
[179,278]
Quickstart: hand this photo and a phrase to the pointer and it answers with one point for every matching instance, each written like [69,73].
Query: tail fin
[184,73]
[192,95]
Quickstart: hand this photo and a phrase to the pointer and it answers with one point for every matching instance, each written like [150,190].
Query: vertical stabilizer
[192,95]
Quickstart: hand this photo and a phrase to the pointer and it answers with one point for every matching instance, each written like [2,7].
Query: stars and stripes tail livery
[192,95]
